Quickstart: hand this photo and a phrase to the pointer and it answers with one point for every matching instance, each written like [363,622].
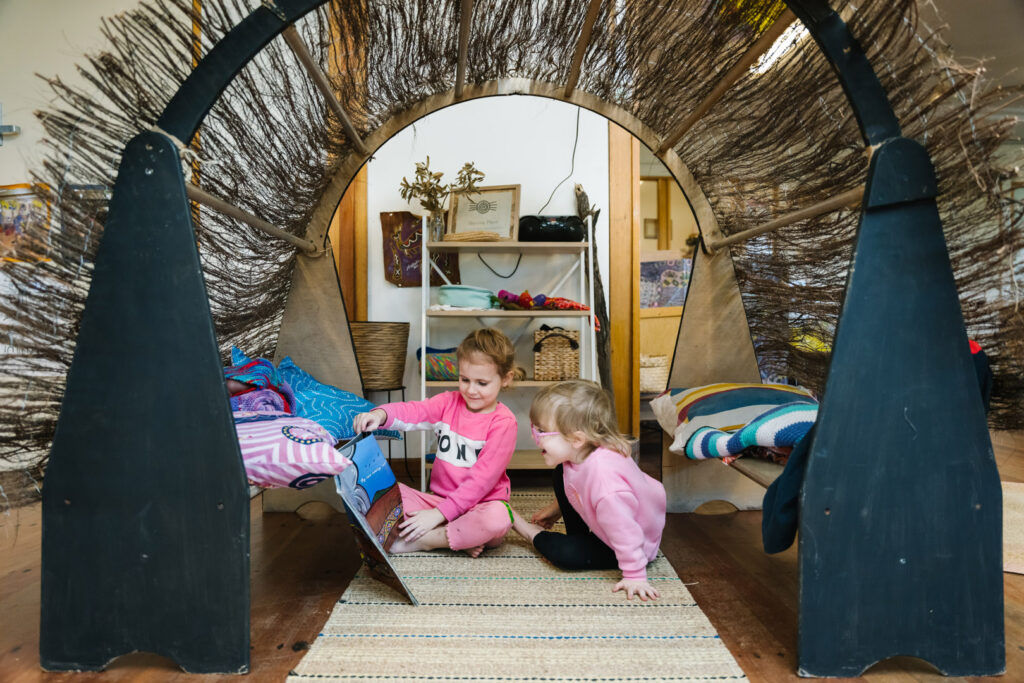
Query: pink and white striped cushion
[282,450]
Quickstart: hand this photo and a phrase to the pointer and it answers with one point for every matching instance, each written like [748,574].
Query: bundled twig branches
[778,141]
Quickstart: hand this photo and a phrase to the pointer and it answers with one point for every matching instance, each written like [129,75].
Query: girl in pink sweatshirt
[476,438]
[614,513]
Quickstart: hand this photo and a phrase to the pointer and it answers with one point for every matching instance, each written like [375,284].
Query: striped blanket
[730,417]
[779,427]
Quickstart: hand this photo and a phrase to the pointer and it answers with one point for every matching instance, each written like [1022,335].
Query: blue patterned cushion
[327,405]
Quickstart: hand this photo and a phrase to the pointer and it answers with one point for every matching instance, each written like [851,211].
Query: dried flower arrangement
[432,193]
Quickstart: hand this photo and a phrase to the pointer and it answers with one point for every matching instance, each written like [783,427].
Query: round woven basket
[380,352]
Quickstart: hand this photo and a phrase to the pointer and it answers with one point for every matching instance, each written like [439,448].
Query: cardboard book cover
[369,490]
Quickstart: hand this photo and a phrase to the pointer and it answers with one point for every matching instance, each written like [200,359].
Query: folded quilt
[779,427]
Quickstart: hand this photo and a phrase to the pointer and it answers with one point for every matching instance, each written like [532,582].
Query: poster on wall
[403,256]
[23,213]
[664,277]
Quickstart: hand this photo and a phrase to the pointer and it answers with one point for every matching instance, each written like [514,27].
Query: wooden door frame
[624,274]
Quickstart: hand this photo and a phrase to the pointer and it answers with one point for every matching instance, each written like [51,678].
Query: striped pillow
[727,407]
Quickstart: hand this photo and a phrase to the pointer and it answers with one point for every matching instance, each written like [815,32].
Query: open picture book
[369,490]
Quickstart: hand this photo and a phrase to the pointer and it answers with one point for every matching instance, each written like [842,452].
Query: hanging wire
[572,168]
[505,277]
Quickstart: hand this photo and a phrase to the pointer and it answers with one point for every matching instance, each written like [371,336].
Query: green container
[467,297]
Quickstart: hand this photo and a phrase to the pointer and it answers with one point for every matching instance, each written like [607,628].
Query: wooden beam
[581,46]
[294,40]
[664,213]
[623,273]
[217,204]
[464,25]
[739,69]
[839,201]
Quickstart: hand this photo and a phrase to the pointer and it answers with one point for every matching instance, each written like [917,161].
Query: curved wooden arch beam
[321,215]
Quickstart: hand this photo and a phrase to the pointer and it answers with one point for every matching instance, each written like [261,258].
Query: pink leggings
[483,524]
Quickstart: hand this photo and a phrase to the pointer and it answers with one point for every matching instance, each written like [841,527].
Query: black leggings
[578,548]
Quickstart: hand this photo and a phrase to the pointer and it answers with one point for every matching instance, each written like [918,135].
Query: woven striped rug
[508,616]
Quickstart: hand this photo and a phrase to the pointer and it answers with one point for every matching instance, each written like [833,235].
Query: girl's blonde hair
[578,405]
[491,343]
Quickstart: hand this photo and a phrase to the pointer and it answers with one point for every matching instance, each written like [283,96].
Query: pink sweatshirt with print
[473,449]
[624,507]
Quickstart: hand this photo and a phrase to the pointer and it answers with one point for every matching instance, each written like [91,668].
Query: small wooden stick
[760,46]
[294,40]
[464,26]
[202,197]
[837,202]
[581,46]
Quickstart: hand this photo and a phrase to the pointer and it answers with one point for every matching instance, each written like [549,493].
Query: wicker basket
[653,373]
[556,354]
[380,352]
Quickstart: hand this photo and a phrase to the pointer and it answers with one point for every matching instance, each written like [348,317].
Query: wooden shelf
[500,313]
[764,472]
[512,247]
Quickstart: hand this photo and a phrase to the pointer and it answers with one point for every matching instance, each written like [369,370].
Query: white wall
[514,140]
[47,37]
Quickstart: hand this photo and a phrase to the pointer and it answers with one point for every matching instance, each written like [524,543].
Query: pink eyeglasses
[538,435]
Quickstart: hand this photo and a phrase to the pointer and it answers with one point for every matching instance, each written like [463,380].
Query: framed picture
[492,210]
[650,228]
[664,279]
[22,213]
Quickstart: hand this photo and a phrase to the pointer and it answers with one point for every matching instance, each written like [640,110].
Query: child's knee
[498,521]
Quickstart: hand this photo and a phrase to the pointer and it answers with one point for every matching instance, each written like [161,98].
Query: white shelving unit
[583,293]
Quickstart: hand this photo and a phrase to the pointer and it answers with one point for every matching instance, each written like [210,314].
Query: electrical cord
[572,165]
[505,277]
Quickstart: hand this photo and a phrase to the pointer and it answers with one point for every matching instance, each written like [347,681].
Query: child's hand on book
[419,522]
[367,422]
[639,587]
[547,516]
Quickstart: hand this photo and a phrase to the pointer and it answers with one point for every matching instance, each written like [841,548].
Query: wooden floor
[302,564]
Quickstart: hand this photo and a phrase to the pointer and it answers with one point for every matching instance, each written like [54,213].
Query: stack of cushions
[297,450]
[722,420]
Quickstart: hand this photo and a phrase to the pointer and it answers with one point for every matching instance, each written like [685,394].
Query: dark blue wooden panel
[901,512]
[145,505]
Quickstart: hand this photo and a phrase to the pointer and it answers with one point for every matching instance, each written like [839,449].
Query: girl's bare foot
[400,545]
[525,529]
[493,543]
[432,540]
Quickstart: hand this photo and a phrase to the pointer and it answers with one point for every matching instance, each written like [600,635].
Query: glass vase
[435,226]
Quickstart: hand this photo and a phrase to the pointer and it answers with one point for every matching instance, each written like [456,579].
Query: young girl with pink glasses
[614,513]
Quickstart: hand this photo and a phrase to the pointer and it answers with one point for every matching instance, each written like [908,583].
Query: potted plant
[432,193]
